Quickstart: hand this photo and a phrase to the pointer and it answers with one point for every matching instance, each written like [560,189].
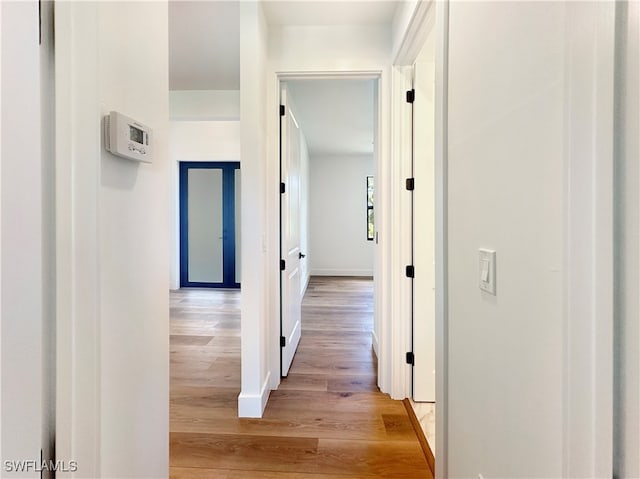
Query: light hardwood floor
[327,420]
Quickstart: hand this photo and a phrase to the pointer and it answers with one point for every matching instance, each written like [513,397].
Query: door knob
[300,255]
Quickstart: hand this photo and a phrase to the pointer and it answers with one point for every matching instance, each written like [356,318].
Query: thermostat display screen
[136,134]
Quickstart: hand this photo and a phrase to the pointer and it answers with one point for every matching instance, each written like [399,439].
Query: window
[370,221]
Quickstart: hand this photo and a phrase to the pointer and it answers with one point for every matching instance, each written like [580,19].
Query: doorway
[423,210]
[327,161]
[209,224]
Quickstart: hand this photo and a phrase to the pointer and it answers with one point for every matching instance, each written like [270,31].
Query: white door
[26,233]
[424,386]
[290,254]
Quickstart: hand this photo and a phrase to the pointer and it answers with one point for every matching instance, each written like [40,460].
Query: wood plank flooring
[328,420]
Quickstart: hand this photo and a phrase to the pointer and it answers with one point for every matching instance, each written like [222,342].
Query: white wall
[134,271]
[112,242]
[529,113]
[338,216]
[505,193]
[204,140]
[196,141]
[627,401]
[22,241]
[257,370]
[220,105]
[344,47]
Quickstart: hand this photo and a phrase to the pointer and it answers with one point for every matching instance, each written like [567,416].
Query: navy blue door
[208,232]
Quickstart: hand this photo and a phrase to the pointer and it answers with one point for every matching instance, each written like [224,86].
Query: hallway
[327,420]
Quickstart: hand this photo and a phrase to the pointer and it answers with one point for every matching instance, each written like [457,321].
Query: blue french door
[210,224]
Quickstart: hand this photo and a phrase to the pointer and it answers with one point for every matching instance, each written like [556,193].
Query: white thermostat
[125,137]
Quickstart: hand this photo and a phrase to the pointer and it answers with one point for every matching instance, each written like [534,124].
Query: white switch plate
[487,271]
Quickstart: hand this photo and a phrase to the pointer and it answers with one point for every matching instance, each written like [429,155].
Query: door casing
[274,292]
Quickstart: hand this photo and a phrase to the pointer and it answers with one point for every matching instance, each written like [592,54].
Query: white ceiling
[204,35]
[336,116]
[204,45]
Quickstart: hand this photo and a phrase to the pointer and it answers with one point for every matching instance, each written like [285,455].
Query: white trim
[400,328]
[0,241]
[375,343]
[588,250]
[305,284]
[252,405]
[383,265]
[442,278]
[342,272]
[77,214]
[328,75]
[415,35]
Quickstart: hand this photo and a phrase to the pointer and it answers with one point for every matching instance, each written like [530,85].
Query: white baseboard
[252,405]
[374,342]
[341,272]
[306,285]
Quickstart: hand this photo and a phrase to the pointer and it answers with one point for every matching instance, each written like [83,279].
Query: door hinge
[282,110]
[410,271]
[411,96]
[283,188]
[411,359]
[283,341]
[283,265]
[410,184]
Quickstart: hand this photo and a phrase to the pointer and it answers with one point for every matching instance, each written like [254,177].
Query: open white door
[424,386]
[290,254]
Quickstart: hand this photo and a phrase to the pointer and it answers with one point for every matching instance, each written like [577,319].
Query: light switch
[484,271]
[488,270]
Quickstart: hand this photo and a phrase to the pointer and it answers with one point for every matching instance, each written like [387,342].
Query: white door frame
[588,367]
[382,282]
[441,240]
[77,213]
[408,52]
[423,218]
